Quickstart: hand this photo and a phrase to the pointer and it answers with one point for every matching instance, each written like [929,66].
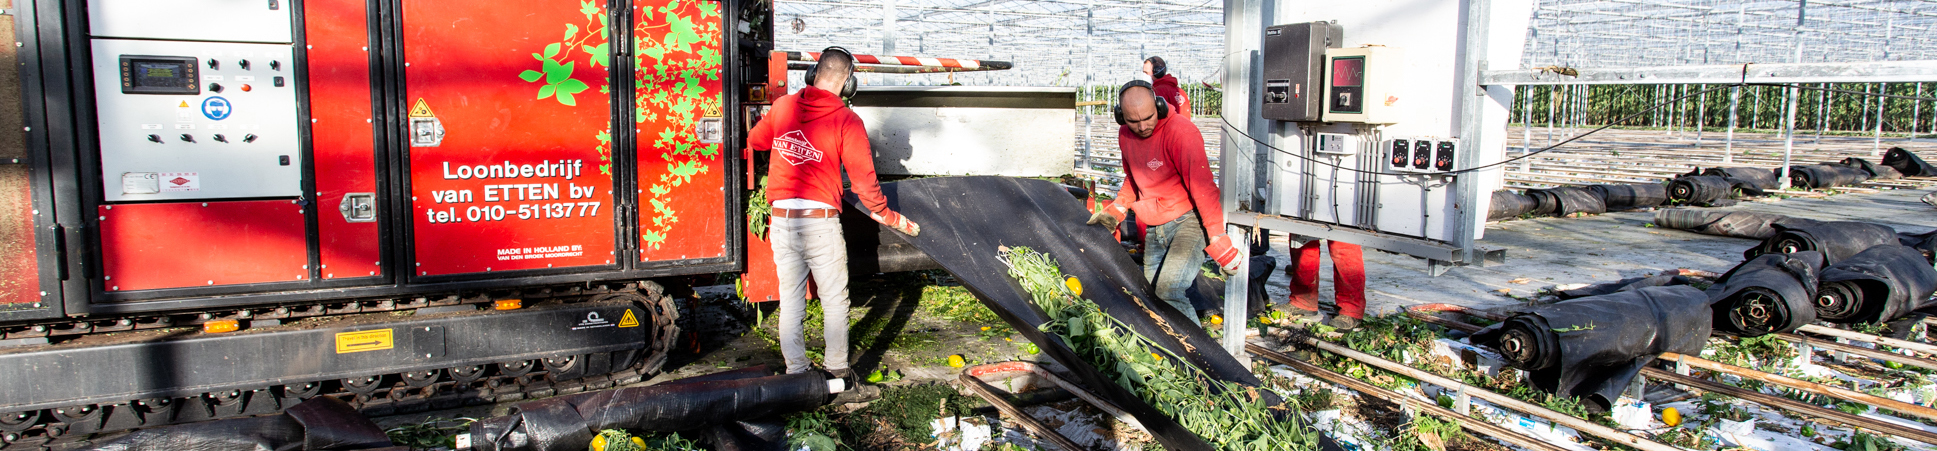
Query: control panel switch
[220,138]
[155,138]
[187,138]
[249,138]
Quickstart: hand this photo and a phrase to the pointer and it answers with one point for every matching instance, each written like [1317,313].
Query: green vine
[555,65]
[676,54]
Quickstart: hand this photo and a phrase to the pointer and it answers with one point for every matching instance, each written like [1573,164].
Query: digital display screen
[158,75]
[1348,71]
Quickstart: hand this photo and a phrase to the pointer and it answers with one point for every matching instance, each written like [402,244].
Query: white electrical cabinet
[1364,84]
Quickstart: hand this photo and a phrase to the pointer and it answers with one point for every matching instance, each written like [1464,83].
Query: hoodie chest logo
[793,147]
[1154,164]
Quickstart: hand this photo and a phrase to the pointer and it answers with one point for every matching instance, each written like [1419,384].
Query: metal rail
[1466,422]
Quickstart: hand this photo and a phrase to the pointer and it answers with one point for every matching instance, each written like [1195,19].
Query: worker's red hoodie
[813,134]
[1166,87]
[1169,175]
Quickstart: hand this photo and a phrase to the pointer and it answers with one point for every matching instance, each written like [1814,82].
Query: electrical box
[1363,85]
[1294,66]
[196,99]
[1336,144]
[1420,155]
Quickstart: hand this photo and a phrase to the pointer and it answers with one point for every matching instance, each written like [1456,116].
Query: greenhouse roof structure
[1071,43]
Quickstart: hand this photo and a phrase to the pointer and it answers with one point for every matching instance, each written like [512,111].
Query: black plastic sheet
[1925,243]
[319,424]
[1566,200]
[1630,196]
[1767,294]
[1837,240]
[1508,205]
[1761,178]
[1876,171]
[1207,293]
[1739,224]
[1908,163]
[570,421]
[1708,190]
[965,219]
[1817,176]
[1592,347]
[1628,284]
[1877,285]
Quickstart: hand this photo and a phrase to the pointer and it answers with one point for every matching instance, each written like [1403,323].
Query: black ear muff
[1163,108]
[1157,67]
[847,90]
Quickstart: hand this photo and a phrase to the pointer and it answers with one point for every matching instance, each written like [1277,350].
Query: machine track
[375,394]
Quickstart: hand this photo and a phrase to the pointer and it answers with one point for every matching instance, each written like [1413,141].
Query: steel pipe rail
[1466,422]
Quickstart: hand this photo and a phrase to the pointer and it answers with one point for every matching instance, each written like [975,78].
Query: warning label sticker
[368,340]
[629,320]
[175,182]
[593,321]
[421,109]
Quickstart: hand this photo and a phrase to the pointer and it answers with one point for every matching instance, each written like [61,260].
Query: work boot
[1343,323]
[1295,315]
[856,392]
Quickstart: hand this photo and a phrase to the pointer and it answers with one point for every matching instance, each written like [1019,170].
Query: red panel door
[521,178]
[343,145]
[681,172]
[201,244]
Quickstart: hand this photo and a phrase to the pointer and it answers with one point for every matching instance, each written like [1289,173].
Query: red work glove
[1228,256]
[898,222]
[1109,217]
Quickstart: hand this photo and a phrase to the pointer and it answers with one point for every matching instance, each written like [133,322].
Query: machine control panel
[1421,155]
[1363,85]
[196,120]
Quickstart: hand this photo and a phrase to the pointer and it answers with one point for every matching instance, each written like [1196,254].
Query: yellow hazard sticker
[628,320]
[184,104]
[360,341]
[421,109]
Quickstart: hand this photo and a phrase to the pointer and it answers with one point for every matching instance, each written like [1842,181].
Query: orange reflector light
[509,304]
[221,325]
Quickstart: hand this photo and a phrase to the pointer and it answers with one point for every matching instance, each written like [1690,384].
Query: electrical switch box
[1421,155]
[1363,85]
[1336,144]
[265,21]
[1294,67]
[183,120]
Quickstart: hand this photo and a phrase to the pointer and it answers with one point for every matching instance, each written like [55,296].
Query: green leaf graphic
[551,50]
[531,75]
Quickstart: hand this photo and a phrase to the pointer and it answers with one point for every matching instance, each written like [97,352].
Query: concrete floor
[1553,251]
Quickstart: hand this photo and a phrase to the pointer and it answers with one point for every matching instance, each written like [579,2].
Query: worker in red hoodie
[1166,85]
[813,136]
[1168,183]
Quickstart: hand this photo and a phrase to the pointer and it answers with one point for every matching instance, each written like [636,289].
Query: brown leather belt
[810,213]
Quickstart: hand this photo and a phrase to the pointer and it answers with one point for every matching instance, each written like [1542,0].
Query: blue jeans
[1173,254]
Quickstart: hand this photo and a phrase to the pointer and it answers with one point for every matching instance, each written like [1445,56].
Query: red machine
[308,171]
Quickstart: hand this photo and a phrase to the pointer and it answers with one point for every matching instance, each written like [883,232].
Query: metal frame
[1782,73]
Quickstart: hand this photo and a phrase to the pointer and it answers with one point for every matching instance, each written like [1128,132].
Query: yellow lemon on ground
[985,328]
[639,441]
[598,443]
[1671,417]
[1217,319]
[956,361]
[1075,287]
[1155,356]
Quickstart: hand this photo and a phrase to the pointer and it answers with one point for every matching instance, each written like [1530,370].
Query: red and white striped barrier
[946,64]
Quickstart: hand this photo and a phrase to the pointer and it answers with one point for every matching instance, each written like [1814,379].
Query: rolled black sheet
[1818,176]
[1768,294]
[1908,163]
[1836,240]
[1925,243]
[1709,190]
[1566,200]
[319,424]
[570,421]
[1630,196]
[1508,205]
[1592,347]
[1876,171]
[1739,224]
[1761,178]
[1628,284]
[1877,285]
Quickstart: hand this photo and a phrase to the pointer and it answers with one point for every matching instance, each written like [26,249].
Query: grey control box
[196,120]
[265,21]
[1294,67]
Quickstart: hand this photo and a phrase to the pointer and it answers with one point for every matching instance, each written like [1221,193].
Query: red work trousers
[1348,277]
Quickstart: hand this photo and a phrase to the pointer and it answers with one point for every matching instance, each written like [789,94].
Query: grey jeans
[1173,254]
[803,246]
